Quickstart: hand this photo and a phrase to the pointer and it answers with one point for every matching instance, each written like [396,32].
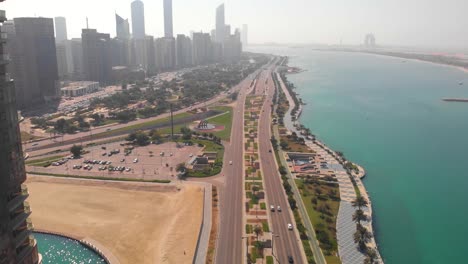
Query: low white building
[80,88]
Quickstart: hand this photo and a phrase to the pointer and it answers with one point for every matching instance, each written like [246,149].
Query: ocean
[387,115]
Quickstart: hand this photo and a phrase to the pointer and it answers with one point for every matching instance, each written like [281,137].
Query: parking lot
[152,162]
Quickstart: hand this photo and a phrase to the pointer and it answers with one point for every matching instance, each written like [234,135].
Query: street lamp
[272,247]
[246,248]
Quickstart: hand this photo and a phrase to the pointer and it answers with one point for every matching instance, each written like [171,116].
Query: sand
[136,224]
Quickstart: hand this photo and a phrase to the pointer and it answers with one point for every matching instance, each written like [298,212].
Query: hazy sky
[394,22]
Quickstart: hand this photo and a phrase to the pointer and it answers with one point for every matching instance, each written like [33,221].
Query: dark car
[290,259]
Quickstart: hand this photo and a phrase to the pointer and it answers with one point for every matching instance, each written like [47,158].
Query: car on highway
[272,208]
[290,227]
[230,162]
[290,259]
[135,161]
[35,144]
[278,208]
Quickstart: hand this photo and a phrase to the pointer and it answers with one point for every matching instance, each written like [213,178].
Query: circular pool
[61,250]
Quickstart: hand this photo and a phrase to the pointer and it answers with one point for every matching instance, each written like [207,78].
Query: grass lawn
[142,125]
[210,146]
[44,162]
[295,146]
[223,120]
[27,137]
[324,223]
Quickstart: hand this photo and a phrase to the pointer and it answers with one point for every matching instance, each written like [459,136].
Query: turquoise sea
[387,115]
[60,250]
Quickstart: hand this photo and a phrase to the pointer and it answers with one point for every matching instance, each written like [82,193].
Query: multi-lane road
[229,248]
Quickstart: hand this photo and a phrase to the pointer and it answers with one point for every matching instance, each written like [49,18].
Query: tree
[181,167]
[360,202]
[359,216]
[371,256]
[284,144]
[131,137]
[76,150]
[142,139]
[257,230]
[361,237]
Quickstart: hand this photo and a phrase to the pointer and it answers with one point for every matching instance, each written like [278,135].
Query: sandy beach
[136,223]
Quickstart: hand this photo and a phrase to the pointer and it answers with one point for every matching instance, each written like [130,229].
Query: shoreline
[357,177]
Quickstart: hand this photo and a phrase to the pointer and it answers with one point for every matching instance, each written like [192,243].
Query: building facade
[34,53]
[96,56]
[122,27]
[60,29]
[17,245]
[202,48]
[245,35]
[168,27]
[138,19]
[183,51]
[80,88]
[76,53]
[220,24]
[165,54]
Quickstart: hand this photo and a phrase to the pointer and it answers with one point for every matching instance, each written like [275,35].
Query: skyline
[395,23]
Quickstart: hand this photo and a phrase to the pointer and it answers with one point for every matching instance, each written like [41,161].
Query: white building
[80,88]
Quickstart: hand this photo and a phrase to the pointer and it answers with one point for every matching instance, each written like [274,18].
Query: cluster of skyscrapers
[16,243]
[40,60]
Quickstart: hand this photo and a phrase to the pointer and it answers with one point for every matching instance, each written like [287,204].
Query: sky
[423,23]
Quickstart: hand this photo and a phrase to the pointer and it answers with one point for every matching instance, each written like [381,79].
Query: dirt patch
[134,221]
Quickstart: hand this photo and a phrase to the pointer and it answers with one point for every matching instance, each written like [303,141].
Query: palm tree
[359,216]
[362,236]
[257,231]
[371,256]
[360,202]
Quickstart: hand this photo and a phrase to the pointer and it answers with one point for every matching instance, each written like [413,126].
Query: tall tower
[220,24]
[122,27]
[245,35]
[17,245]
[168,27]
[35,61]
[96,56]
[60,29]
[138,19]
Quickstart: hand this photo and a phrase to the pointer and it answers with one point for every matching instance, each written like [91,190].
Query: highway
[229,244]
[286,242]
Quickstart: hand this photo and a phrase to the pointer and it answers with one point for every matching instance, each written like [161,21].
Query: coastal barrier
[85,243]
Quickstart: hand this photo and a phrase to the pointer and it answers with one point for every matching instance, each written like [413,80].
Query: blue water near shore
[60,250]
[387,115]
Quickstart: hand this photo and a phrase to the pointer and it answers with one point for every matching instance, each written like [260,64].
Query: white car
[290,227]
[135,160]
[279,208]
[272,208]
[230,162]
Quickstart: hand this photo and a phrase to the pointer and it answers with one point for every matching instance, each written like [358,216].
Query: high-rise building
[62,61]
[168,27]
[369,41]
[150,55]
[76,49]
[122,27]
[245,35]
[60,29]
[165,54]
[183,51]
[120,52]
[233,47]
[220,24]
[35,61]
[138,19]
[96,56]
[202,48]
[17,245]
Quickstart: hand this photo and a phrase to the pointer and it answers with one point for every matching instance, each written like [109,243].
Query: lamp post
[246,248]
[272,246]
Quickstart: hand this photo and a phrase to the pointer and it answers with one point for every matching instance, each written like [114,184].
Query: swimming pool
[61,250]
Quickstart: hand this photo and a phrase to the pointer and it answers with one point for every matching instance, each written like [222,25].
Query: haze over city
[424,23]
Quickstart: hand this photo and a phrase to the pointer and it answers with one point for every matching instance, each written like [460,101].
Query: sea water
[387,114]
